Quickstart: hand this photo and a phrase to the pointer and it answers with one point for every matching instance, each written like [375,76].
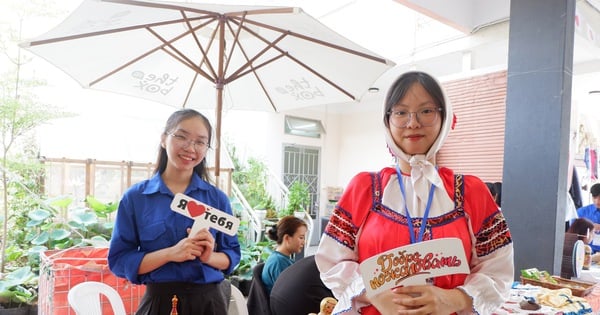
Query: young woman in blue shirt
[151,244]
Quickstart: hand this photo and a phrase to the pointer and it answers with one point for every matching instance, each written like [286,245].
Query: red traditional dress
[376,211]
[373,205]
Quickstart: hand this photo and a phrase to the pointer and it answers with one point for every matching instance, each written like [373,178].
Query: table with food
[538,292]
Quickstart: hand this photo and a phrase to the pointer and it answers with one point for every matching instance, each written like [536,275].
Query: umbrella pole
[219,86]
[218,136]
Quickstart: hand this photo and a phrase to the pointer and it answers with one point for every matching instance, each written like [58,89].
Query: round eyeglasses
[183,142]
[426,116]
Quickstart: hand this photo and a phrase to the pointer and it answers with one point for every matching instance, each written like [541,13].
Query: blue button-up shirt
[146,223]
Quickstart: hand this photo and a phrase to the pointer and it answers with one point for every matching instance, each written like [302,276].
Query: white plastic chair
[237,304]
[84,298]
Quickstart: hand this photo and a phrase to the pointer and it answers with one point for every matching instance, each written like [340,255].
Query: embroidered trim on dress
[341,229]
[494,234]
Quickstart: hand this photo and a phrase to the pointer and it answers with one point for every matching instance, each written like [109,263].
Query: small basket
[578,288]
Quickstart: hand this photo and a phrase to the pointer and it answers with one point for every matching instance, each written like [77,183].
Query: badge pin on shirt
[204,215]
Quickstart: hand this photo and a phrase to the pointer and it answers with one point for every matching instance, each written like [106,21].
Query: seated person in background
[592,212]
[289,233]
[584,229]
[299,289]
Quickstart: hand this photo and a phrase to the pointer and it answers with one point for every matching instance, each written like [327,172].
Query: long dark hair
[287,225]
[174,120]
[400,87]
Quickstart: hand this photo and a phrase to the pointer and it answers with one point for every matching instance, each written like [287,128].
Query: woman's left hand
[429,299]
[204,239]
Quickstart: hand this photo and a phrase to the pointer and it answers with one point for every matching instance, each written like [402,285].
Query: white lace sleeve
[339,271]
[492,275]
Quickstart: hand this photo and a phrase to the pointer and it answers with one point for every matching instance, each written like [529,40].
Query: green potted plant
[268,204]
[252,254]
[18,292]
[298,199]
[45,226]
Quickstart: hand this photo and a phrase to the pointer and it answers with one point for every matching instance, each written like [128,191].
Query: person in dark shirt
[299,289]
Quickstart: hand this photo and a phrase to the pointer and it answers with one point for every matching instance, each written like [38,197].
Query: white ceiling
[489,19]
[466,16]
[480,44]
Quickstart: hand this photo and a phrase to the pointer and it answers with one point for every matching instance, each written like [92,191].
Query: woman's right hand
[186,249]
[384,302]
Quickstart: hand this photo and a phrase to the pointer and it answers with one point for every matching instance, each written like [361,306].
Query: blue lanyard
[409,219]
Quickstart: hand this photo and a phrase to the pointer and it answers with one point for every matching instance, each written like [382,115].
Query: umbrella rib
[161,47]
[285,53]
[189,92]
[319,75]
[105,32]
[205,59]
[317,41]
[249,61]
[178,55]
[235,41]
[253,70]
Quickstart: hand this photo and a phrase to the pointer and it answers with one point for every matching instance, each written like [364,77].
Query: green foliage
[82,227]
[251,178]
[252,252]
[298,198]
[18,287]
[50,224]
[268,204]
[20,115]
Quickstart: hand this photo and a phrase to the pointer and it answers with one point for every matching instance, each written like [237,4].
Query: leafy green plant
[298,198]
[268,204]
[18,287]
[51,224]
[50,228]
[252,252]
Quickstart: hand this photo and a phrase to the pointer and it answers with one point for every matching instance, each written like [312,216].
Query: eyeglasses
[183,142]
[425,116]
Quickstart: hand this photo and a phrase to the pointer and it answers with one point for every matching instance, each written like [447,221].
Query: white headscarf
[423,172]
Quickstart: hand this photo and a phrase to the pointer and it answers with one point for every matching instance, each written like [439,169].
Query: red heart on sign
[195,209]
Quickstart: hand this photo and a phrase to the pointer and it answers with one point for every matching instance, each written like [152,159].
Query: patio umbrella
[254,57]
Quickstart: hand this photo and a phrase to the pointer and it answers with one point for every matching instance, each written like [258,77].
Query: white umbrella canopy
[209,56]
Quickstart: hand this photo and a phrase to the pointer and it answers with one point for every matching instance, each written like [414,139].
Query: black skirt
[193,299]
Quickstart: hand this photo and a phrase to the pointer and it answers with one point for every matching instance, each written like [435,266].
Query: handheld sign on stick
[204,215]
[413,264]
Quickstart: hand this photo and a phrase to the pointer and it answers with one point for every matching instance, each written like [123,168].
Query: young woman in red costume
[412,201]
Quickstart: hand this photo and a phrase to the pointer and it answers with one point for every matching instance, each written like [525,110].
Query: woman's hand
[429,299]
[205,240]
[186,249]
[386,302]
